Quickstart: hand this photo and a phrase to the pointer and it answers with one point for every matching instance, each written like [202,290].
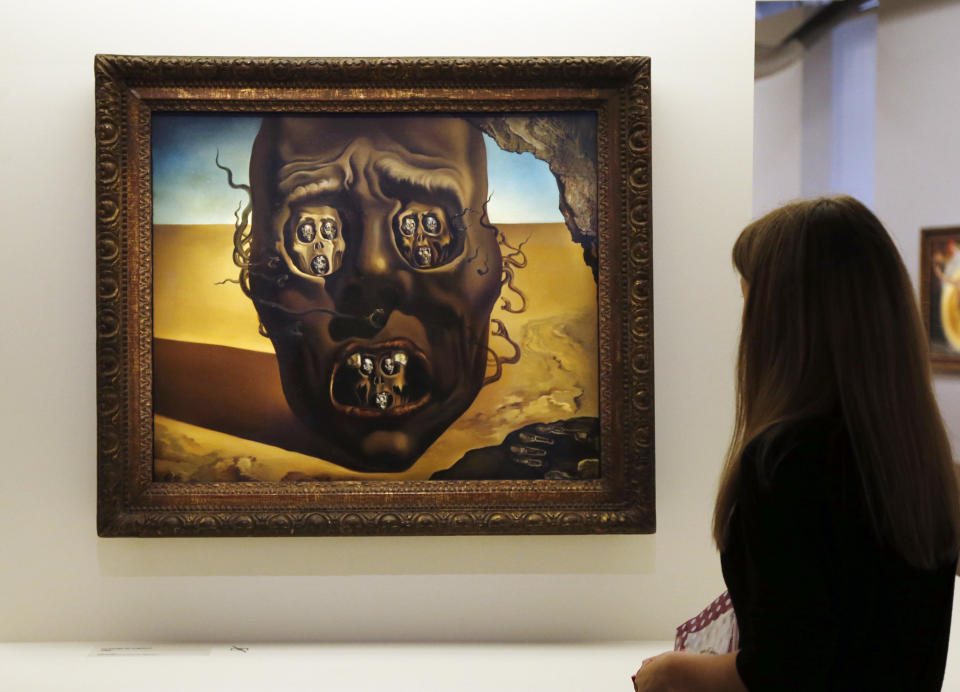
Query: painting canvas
[370,296]
[384,296]
[940,294]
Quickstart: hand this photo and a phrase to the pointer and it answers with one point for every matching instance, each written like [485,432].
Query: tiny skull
[408,225]
[320,265]
[389,365]
[306,231]
[431,224]
[328,229]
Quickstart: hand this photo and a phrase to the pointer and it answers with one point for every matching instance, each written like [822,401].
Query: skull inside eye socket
[314,239]
[306,231]
[408,225]
[431,224]
[328,229]
[424,236]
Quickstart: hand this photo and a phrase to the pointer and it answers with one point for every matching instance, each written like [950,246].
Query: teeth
[366,363]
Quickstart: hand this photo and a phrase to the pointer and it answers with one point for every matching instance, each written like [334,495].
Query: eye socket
[328,229]
[431,224]
[315,236]
[388,365]
[306,231]
[408,225]
[424,236]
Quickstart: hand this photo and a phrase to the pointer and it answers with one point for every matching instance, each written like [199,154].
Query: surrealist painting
[340,296]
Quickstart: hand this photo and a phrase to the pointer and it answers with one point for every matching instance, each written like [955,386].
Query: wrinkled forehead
[432,136]
[320,139]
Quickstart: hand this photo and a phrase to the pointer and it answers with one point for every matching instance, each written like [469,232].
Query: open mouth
[387,379]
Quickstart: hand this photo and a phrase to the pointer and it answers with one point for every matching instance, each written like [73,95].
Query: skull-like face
[374,272]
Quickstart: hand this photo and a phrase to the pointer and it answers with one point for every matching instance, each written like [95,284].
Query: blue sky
[188,188]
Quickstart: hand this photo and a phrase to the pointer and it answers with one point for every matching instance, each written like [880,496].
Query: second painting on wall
[940,295]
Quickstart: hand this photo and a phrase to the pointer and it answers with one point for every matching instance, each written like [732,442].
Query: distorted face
[374,272]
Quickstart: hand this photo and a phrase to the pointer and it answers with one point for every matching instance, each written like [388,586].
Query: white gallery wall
[778,137]
[814,119]
[876,102]
[60,582]
[887,134]
[918,138]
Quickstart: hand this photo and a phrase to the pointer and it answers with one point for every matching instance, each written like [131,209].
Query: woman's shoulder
[805,455]
[804,435]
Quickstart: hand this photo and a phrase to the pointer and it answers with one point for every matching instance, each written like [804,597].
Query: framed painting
[373,296]
[940,295]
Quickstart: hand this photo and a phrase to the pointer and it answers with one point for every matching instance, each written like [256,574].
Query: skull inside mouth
[381,380]
[424,256]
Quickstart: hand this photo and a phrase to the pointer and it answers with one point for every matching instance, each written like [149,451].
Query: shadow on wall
[396,555]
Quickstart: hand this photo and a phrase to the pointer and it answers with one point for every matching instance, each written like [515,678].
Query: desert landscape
[220,414]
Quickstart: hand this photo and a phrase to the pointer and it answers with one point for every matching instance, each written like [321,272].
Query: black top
[821,604]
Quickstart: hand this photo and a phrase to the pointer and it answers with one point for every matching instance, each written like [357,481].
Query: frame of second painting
[134,501]
[938,246]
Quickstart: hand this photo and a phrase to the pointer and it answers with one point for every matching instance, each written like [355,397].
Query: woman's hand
[660,673]
[677,671]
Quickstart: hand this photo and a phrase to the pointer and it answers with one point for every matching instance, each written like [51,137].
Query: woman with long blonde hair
[837,514]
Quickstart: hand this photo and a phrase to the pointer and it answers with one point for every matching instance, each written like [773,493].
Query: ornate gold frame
[131,503]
